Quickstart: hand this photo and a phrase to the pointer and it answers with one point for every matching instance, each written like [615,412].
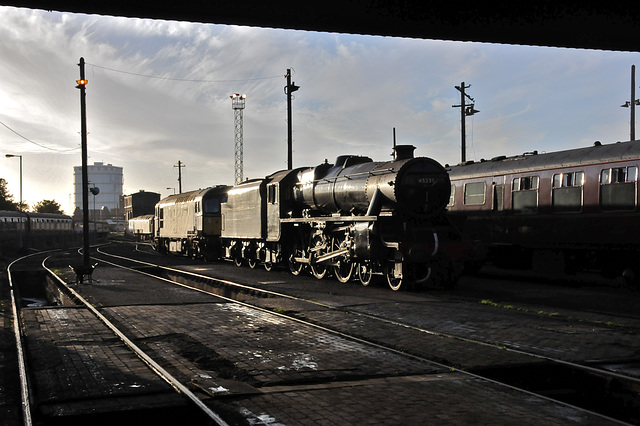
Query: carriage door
[498,198]
[498,194]
[273,212]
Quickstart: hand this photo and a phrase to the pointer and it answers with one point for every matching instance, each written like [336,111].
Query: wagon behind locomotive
[189,223]
[565,211]
[251,227]
[141,227]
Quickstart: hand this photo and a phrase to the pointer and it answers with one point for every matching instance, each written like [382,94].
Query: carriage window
[525,183]
[452,195]
[525,194]
[474,193]
[618,188]
[567,192]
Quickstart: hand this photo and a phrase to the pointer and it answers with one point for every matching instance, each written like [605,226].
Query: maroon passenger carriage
[565,211]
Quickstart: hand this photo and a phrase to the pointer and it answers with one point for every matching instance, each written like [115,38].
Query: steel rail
[505,347]
[175,383]
[375,344]
[25,395]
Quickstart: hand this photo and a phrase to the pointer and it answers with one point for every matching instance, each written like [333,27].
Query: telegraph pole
[632,104]
[289,89]
[179,166]
[82,83]
[465,110]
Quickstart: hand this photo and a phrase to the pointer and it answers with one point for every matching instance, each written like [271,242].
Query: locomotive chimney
[403,152]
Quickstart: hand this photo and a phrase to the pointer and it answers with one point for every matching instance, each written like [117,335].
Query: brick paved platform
[269,369]
[79,367]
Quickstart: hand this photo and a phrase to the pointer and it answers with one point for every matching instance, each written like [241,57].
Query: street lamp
[20,156]
[288,90]
[174,190]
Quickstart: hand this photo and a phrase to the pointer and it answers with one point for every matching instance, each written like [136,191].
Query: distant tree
[48,206]
[6,199]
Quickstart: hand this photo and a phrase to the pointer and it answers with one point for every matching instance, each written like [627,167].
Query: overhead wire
[145,76]
[181,79]
[36,143]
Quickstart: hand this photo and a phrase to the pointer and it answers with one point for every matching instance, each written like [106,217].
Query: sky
[159,93]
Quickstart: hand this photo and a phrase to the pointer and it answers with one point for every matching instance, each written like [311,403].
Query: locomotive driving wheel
[319,270]
[394,273]
[294,266]
[319,247]
[365,272]
[343,268]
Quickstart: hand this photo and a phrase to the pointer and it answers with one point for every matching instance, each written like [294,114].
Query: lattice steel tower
[237,103]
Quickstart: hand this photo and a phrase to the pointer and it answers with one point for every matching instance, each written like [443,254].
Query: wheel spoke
[318,270]
[365,273]
[294,266]
[343,270]
[395,281]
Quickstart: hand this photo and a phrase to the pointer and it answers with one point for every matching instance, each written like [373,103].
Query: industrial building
[139,204]
[109,180]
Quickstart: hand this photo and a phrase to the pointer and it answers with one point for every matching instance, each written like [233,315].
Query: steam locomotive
[355,217]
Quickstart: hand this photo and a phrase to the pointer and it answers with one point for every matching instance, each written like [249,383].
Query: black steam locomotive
[356,217]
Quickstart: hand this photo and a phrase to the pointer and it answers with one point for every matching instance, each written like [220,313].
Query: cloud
[159,91]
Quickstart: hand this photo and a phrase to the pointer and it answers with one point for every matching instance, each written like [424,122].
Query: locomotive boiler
[415,187]
[356,217]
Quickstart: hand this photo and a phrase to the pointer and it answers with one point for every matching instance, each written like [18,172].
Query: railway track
[621,407]
[25,384]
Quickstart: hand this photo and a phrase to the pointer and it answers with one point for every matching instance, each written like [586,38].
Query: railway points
[257,367]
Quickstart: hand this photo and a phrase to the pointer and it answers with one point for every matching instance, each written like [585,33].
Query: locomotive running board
[330,219]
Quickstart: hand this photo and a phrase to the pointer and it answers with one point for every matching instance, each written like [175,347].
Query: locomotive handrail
[352,175]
